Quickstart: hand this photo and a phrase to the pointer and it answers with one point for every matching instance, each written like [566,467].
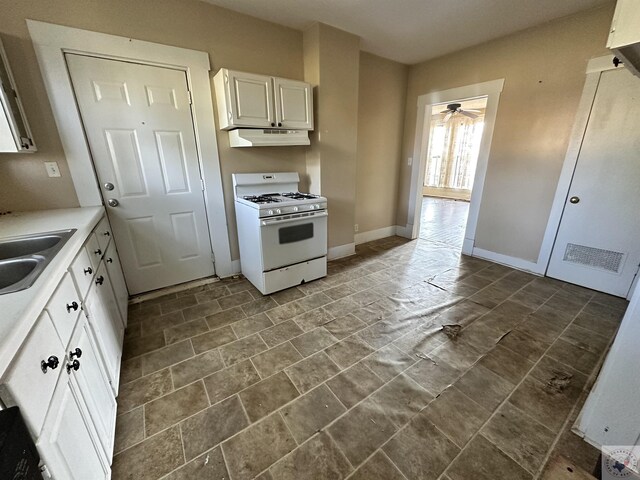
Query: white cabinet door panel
[93,383]
[103,233]
[64,308]
[30,387]
[94,250]
[68,443]
[112,260]
[294,104]
[82,271]
[251,100]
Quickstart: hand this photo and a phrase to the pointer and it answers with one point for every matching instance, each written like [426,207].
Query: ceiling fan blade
[445,111]
[447,117]
[472,111]
[467,114]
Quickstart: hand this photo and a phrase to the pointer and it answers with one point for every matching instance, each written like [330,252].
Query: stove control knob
[311,207]
[317,206]
[278,211]
[295,209]
[270,212]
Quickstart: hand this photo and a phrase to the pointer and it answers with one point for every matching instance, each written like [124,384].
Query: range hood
[267,137]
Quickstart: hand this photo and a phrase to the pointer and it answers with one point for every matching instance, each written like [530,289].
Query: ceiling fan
[455,108]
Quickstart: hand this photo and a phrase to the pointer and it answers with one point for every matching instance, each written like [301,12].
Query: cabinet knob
[107,233]
[109,260]
[75,366]
[72,306]
[279,124]
[52,363]
[98,252]
[99,280]
[273,124]
[75,353]
[88,271]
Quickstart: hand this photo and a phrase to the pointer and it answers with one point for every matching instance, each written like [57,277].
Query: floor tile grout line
[506,399]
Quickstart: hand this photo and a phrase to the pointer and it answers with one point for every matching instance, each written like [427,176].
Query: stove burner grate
[268,198]
[299,196]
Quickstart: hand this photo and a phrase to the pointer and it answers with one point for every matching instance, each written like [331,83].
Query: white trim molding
[513,262]
[51,42]
[404,231]
[491,90]
[377,234]
[341,251]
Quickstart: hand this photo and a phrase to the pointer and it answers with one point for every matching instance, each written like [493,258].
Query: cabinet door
[103,233]
[93,383]
[30,386]
[83,271]
[251,100]
[68,443]
[64,307]
[94,250]
[105,322]
[294,104]
[116,278]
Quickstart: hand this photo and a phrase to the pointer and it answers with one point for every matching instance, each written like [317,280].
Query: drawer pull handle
[75,353]
[72,306]
[98,252]
[52,363]
[109,260]
[100,280]
[88,271]
[75,366]
[107,233]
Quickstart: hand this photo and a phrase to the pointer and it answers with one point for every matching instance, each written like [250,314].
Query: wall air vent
[594,257]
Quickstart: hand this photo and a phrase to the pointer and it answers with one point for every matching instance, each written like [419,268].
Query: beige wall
[381,106]
[332,61]
[232,40]
[544,72]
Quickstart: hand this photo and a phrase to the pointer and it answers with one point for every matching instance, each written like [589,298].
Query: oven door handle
[275,221]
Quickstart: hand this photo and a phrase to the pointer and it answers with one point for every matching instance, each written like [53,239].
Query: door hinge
[190,97]
[202,184]
[213,257]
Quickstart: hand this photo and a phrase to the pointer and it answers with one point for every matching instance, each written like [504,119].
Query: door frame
[595,68]
[51,42]
[491,90]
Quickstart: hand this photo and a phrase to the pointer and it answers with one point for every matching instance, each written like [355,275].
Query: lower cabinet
[104,318]
[69,444]
[114,269]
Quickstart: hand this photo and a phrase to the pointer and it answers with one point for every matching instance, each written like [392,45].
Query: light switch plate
[52,169]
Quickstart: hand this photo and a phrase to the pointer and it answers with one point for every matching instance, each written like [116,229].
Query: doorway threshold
[143,297]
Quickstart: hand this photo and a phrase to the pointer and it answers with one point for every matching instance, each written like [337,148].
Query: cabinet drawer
[30,387]
[103,233]
[94,250]
[83,271]
[64,308]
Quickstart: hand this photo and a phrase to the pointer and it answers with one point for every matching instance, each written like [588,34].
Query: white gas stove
[282,233]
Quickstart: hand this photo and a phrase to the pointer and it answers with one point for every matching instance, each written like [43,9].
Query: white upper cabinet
[247,100]
[15,134]
[624,36]
[294,104]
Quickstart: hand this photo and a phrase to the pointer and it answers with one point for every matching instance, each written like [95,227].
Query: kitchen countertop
[20,310]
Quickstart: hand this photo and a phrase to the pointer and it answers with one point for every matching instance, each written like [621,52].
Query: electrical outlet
[409,161]
[355,227]
[52,169]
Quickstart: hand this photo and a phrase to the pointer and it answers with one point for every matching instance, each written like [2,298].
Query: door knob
[108,186]
[113,202]
[574,200]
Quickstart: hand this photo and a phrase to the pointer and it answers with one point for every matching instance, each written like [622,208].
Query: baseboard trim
[404,231]
[467,246]
[341,251]
[377,234]
[513,262]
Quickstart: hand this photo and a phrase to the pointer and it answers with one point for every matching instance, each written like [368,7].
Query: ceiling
[411,31]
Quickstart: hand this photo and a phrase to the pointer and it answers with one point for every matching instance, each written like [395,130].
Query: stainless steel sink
[23,259]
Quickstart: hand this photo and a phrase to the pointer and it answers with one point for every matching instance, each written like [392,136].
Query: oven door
[293,239]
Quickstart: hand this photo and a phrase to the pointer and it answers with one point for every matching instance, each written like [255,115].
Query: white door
[252,100]
[597,243]
[138,122]
[294,104]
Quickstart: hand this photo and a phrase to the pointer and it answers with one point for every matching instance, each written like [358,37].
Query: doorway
[138,123]
[451,165]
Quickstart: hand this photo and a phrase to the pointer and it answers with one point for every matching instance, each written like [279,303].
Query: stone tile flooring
[443,220]
[353,377]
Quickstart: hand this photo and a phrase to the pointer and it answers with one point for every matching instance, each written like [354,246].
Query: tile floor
[443,220]
[352,376]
